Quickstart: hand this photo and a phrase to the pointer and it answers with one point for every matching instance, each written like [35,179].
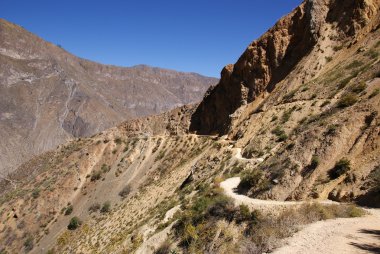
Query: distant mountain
[48,95]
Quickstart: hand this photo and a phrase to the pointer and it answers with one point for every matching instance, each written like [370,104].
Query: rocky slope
[48,96]
[309,33]
[303,125]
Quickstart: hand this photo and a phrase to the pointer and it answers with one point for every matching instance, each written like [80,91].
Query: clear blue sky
[186,35]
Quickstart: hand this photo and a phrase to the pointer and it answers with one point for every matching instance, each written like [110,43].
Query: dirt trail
[342,235]
[240,157]
[230,185]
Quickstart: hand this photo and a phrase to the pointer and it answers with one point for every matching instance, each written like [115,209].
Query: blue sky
[194,36]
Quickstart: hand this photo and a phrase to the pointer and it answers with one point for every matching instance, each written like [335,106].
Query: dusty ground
[358,235]
[343,235]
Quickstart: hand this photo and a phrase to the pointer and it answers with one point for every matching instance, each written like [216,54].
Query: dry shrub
[271,229]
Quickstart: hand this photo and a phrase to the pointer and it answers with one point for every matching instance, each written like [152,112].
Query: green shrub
[29,243]
[280,133]
[375,175]
[373,54]
[325,103]
[118,140]
[314,162]
[287,114]
[94,208]
[282,137]
[369,118]
[254,179]
[36,193]
[96,175]
[337,48]
[354,64]
[290,95]
[106,208]
[125,191]
[105,168]
[332,130]
[340,168]
[344,82]
[74,223]
[374,93]
[354,211]
[164,248]
[69,209]
[359,88]
[347,101]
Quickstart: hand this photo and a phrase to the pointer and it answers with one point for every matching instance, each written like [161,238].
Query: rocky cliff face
[48,96]
[272,57]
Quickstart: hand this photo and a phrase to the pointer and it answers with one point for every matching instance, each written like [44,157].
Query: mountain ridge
[49,95]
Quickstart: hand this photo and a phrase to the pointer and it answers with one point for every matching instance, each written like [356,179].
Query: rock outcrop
[271,58]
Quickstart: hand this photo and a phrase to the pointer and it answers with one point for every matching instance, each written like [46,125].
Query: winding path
[342,235]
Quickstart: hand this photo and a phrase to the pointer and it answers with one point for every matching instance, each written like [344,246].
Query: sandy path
[343,235]
[240,157]
[230,185]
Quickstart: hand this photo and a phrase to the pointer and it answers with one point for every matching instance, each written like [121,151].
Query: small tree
[314,162]
[106,208]
[347,101]
[75,222]
[340,168]
[69,210]
[125,191]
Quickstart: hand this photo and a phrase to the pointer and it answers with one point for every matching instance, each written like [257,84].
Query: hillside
[293,125]
[48,96]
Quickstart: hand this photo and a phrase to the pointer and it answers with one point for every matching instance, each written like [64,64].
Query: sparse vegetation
[332,130]
[74,223]
[125,191]
[290,95]
[286,116]
[374,93]
[36,193]
[280,133]
[254,179]
[340,168]
[94,208]
[96,175]
[105,168]
[69,209]
[359,88]
[314,162]
[337,48]
[29,243]
[106,208]
[164,248]
[372,54]
[118,141]
[375,175]
[325,103]
[354,64]
[369,118]
[347,101]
